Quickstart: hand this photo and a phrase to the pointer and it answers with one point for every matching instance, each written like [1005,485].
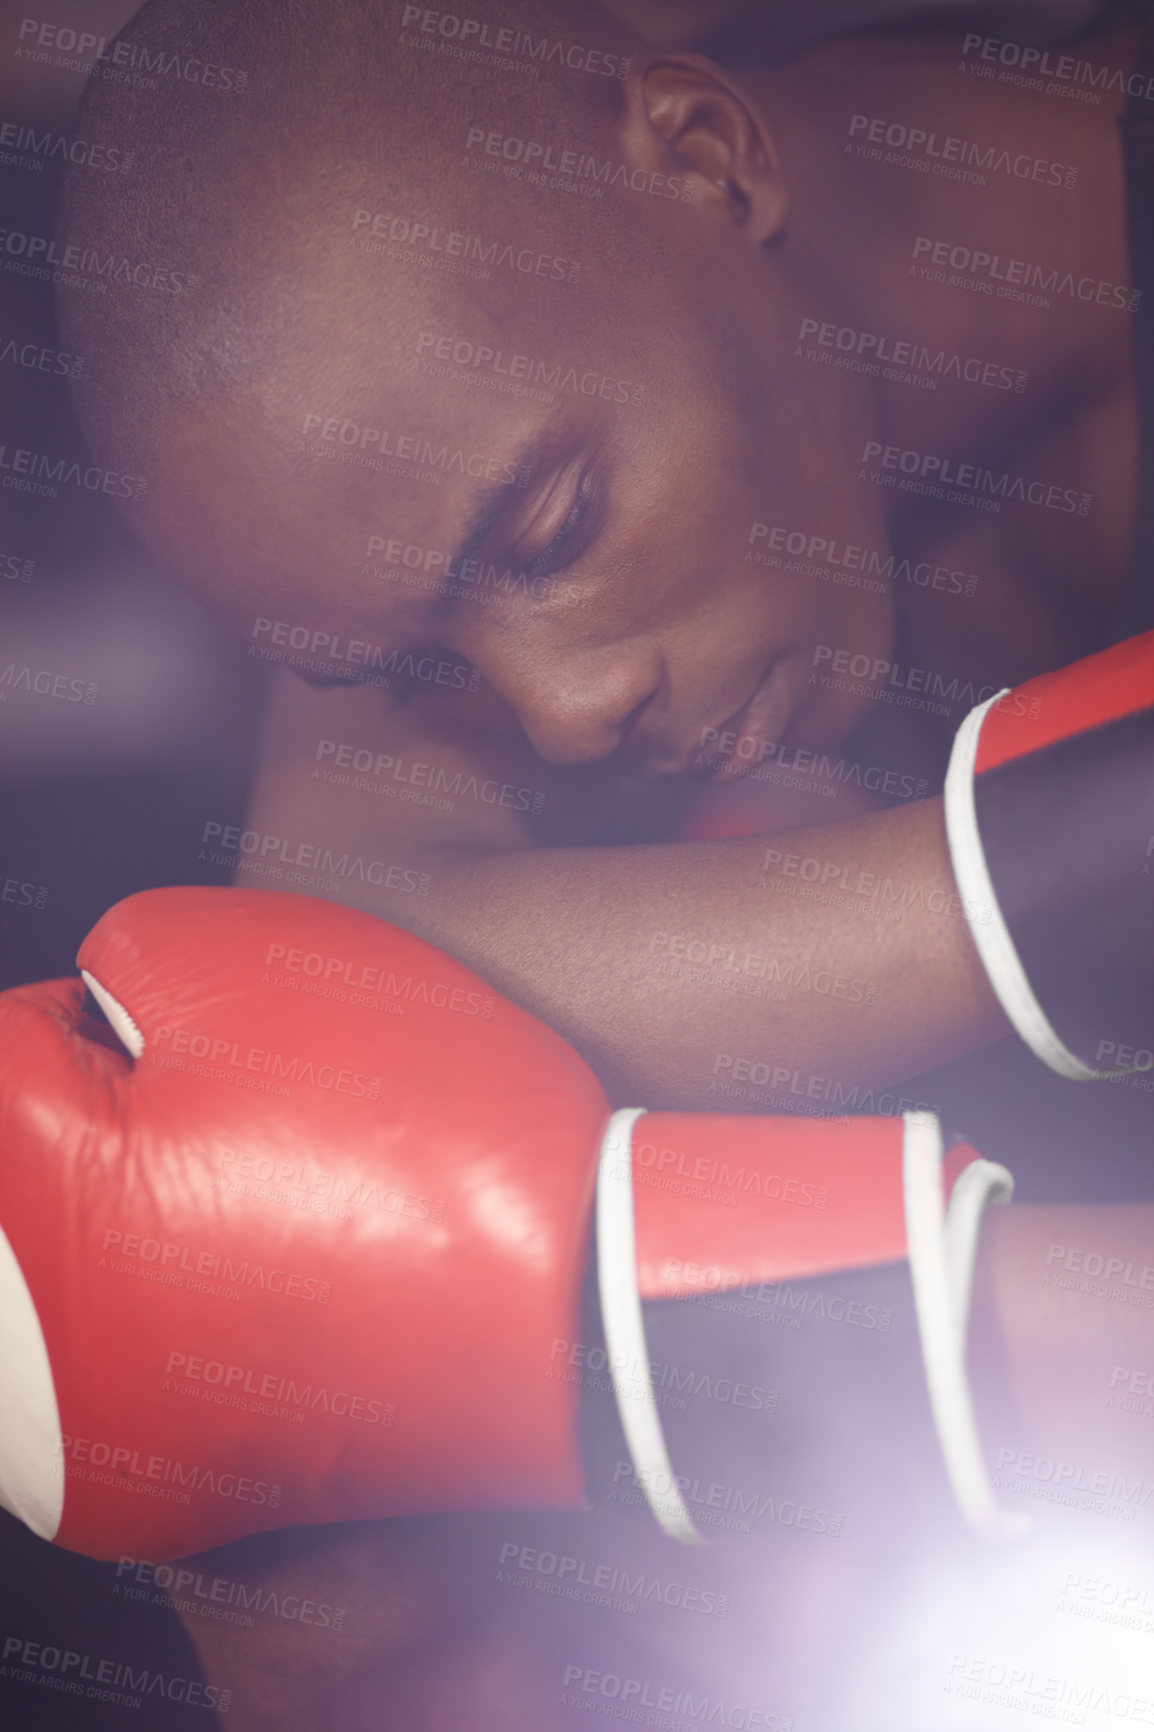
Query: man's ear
[683,110]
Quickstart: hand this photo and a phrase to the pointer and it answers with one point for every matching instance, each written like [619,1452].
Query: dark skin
[643,518]
[605,707]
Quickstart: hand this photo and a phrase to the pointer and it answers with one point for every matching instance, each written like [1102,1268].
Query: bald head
[431,336]
[350,127]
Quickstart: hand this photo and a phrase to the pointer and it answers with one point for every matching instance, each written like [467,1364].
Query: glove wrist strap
[1001,839]
[941,1246]
[990,933]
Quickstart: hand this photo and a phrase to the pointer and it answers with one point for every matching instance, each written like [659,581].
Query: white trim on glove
[31,1441]
[942,1246]
[624,1329]
[991,935]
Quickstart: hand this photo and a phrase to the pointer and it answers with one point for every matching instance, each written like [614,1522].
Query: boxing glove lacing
[116,1016]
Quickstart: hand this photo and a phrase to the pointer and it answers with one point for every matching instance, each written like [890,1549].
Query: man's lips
[762,711]
[761,717]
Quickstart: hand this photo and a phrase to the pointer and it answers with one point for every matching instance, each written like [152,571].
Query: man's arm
[724,974]
[1063,1346]
[786,972]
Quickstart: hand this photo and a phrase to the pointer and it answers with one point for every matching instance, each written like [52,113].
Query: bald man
[607,550]
[518,393]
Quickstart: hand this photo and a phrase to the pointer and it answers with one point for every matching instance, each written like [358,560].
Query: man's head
[478,340]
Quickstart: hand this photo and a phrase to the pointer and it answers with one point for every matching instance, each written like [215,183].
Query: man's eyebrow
[489,502]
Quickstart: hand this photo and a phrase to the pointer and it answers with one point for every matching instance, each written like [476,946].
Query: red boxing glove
[1049,807]
[307,1249]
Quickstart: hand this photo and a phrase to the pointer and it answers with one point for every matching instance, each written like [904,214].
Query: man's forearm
[1063,1347]
[775,973]
[766,974]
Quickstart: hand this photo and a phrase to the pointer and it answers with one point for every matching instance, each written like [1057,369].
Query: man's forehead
[397,349]
[426,455]
[336,485]
[390,410]
[350,291]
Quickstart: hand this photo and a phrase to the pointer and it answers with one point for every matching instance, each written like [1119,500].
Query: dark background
[100,801]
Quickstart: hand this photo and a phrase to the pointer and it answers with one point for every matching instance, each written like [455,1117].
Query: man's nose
[576,707]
